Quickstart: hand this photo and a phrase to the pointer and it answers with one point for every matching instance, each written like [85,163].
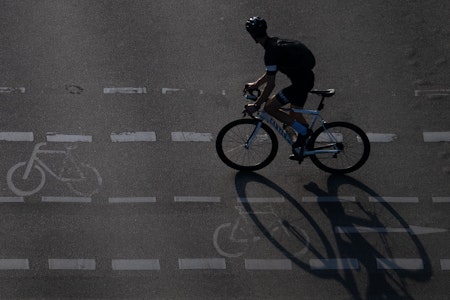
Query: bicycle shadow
[380,283]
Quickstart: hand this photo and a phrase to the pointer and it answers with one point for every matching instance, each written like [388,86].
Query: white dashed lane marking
[268,264]
[436,137]
[197,199]
[14,264]
[68,138]
[261,200]
[445,264]
[11,200]
[135,264]
[329,199]
[17,136]
[431,93]
[9,90]
[400,264]
[202,263]
[191,137]
[441,199]
[334,264]
[125,90]
[66,199]
[394,199]
[132,200]
[142,136]
[71,264]
[381,137]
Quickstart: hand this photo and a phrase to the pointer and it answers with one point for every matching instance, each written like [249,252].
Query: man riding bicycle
[293,59]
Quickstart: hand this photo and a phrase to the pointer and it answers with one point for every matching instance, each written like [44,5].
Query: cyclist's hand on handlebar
[249,87]
[251,108]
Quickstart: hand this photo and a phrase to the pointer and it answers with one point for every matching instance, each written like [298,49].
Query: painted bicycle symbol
[234,239]
[28,177]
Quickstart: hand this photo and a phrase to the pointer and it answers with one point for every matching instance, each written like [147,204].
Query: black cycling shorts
[297,93]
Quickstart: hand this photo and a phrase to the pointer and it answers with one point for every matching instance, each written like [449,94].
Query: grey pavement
[133,93]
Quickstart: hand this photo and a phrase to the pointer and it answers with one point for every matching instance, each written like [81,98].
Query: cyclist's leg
[273,106]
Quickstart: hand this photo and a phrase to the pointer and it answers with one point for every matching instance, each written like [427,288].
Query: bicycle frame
[264,116]
[35,159]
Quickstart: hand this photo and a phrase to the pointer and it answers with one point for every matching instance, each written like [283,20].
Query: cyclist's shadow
[355,245]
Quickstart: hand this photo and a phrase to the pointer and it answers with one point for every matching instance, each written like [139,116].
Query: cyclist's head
[257,27]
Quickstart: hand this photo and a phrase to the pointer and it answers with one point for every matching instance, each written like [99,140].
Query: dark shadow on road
[381,284]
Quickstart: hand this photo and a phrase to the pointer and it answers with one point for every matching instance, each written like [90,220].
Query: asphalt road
[133,93]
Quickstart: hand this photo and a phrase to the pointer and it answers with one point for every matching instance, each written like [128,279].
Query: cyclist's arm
[269,80]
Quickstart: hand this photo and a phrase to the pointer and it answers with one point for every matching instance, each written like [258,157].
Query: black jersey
[288,56]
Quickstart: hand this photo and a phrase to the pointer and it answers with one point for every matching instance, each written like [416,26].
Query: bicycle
[251,144]
[27,178]
[237,238]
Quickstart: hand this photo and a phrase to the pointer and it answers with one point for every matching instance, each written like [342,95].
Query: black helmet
[256,26]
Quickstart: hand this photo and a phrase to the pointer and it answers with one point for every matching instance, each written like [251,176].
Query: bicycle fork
[31,160]
[253,135]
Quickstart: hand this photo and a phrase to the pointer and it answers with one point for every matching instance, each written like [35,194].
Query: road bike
[237,238]
[28,177]
[251,144]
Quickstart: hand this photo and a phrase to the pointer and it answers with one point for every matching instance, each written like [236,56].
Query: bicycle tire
[352,141]
[231,141]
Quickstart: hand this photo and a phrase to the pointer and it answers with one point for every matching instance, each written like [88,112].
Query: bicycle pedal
[296,158]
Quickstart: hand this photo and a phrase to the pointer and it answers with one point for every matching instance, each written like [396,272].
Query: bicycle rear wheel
[350,142]
[234,149]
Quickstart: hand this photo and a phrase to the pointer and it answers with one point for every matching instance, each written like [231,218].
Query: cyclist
[293,59]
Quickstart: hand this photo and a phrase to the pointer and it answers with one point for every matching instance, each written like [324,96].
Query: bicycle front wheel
[340,147]
[238,151]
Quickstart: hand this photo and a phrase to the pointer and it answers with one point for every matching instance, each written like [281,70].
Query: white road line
[14,264]
[167,91]
[9,90]
[66,199]
[381,137]
[445,264]
[140,136]
[441,199]
[71,264]
[329,199]
[400,263]
[202,263]
[268,264]
[11,200]
[413,230]
[394,199]
[135,265]
[261,200]
[191,137]
[132,200]
[436,137]
[196,199]
[125,90]
[334,264]
[68,138]
[16,136]
[437,92]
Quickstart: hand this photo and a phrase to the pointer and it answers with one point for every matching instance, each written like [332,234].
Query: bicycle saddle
[324,93]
